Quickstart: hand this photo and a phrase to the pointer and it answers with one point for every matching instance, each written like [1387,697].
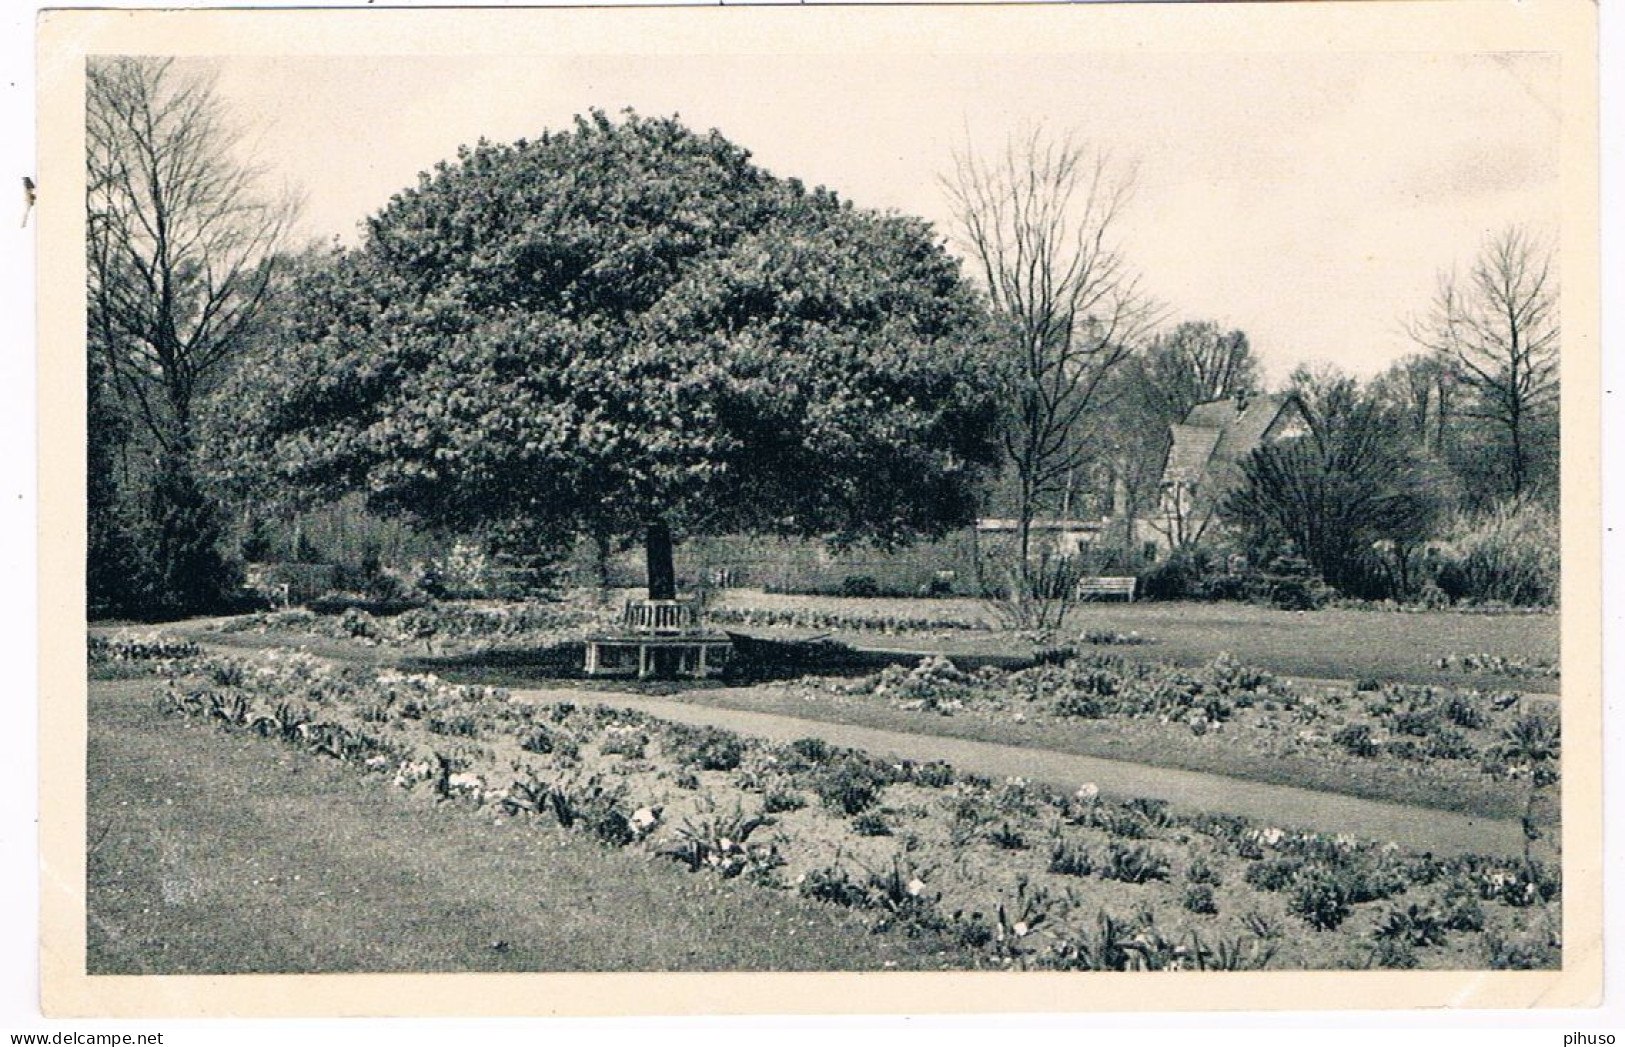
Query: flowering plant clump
[1499,665]
[1112,638]
[139,647]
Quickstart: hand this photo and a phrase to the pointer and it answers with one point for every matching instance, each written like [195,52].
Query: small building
[1206,452]
[1061,535]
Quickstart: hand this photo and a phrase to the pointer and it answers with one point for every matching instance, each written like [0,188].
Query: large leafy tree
[629,329]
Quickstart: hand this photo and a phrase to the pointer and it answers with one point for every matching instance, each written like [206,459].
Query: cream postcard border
[1564,27]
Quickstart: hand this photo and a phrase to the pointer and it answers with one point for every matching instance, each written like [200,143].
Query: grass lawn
[215,853]
[1335,643]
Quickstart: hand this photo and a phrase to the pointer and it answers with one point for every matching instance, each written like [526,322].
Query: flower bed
[133,654]
[465,625]
[842,621]
[1016,874]
[1454,738]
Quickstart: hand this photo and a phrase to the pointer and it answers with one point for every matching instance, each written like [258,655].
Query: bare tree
[1197,362]
[181,244]
[1039,223]
[1421,390]
[181,248]
[1500,330]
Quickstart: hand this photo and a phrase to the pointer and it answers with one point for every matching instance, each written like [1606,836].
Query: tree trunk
[661,569]
[601,553]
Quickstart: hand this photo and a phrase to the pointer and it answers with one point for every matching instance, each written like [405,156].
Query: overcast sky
[1308,200]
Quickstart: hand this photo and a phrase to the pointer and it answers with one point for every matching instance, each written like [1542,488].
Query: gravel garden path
[1418,828]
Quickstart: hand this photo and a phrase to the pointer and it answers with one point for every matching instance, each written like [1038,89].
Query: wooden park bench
[1107,585]
[659,638]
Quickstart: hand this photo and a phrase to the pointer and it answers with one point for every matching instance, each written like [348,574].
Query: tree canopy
[623,328]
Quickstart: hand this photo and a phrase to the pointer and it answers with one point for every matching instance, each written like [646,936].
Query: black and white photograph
[902,491]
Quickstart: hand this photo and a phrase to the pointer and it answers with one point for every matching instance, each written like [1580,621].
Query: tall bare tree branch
[1039,224]
[1500,330]
[181,243]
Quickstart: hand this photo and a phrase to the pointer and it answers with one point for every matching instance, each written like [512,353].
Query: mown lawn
[213,853]
[1335,643]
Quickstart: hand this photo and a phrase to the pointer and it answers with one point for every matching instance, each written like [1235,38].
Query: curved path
[1414,828]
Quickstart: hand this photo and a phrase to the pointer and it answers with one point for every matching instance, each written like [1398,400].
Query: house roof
[1221,433]
[1188,455]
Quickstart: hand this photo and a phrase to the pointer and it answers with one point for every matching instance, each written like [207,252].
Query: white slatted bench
[659,638]
[1107,585]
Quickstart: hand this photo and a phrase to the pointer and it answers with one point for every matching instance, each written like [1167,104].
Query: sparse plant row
[842,621]
[1112,638]
[1016,874]
[1485,609]
[1499,665]
[1413,726]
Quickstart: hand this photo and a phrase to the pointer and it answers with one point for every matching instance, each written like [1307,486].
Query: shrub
[1451,744]
[1510,554]
[1070,859]
[1532,738]
[1415,925]
[1357,739]
[1418,723]
[1008,838]
[624,741]
[813,751]
[1273,874]
[1460,909]
[542,740]
[1177,578]
[851,786]
[1321,900]
[710,748]
[1464,712]
[1137,864]
[871,824]
[1200,872]
[777,801]
[860,585]
[720,841]
[1394,954]
[832,884]
[1081,705]
[1530,950]
[1199,899]
[933,774]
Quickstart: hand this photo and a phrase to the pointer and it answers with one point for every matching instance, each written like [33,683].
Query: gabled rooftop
[1221,433]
